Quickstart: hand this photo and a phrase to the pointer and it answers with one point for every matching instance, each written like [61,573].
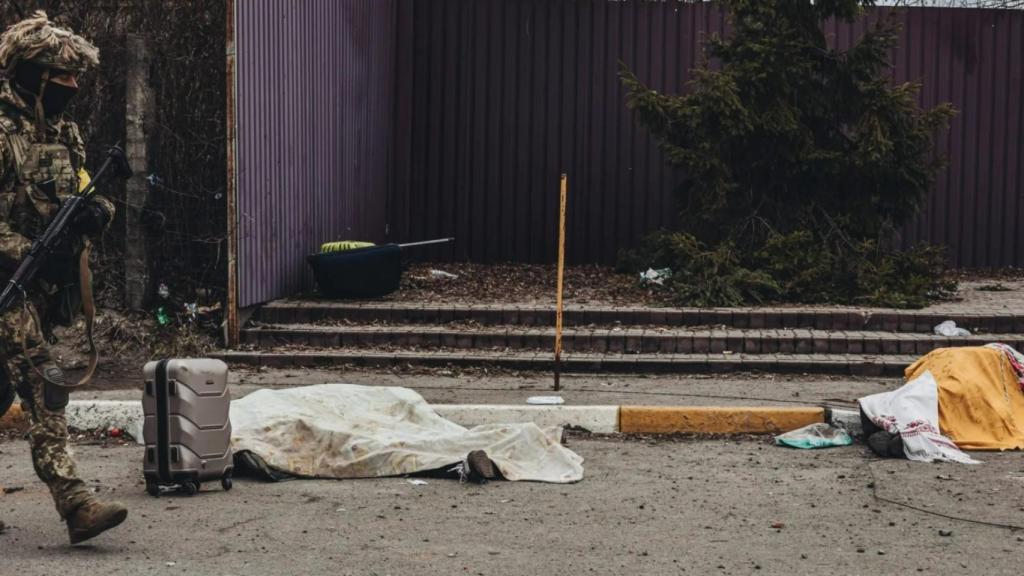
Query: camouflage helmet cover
[38,40]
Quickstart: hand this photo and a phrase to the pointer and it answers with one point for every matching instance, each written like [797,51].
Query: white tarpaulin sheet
[349,431]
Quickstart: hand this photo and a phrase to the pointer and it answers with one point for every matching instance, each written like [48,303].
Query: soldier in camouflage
[42,160]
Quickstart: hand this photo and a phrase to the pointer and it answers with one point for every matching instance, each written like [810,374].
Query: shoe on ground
[879,443]
[896,447]
[481,467]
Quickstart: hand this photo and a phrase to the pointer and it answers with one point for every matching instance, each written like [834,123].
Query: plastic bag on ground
[655,277]
[820,435]
[949,328]
[442,275]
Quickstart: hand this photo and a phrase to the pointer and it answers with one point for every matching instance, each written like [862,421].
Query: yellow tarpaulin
[981,405]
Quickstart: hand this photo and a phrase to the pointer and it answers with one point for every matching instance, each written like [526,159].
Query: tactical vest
[43,175]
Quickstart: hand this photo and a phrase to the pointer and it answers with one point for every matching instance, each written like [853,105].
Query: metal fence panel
[495,98]
[314,124]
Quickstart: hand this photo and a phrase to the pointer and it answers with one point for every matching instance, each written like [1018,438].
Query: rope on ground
[874,494]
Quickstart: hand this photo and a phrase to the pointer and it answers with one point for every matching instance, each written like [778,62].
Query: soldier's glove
[90,220]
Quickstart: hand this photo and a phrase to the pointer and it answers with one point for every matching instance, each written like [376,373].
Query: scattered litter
[417,482]
[945,477]
[170,564]
[819,435]
[778,525]
[162,318]
[655,277]
[442,275]
[945,532]
[205,310]
[192,310]
[115,432]
[452,554]
[340,510]
[949,328]
[505,501]
[546,400]
[12,489]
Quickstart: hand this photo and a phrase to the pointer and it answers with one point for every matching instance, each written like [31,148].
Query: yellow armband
[83,179]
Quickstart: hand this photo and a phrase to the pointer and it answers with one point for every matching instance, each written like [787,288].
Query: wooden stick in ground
[561,275]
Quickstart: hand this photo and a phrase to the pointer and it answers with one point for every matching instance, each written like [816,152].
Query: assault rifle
[116,164]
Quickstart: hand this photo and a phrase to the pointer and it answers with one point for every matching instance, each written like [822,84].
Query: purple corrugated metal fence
[456,117]
[314,115]
[496,97]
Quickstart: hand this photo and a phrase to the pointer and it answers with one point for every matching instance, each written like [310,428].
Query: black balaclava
[29,80]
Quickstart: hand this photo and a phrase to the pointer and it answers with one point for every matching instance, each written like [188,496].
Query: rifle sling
[88,309]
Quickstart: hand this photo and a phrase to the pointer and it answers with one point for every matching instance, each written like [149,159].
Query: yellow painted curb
[715,420]
[14,418]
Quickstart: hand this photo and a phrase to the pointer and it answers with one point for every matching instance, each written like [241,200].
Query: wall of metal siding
[974,59]
[496,97]
[314,109]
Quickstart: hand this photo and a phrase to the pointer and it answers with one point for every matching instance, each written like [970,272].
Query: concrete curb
[597,419]
[103,414]
[127,414]
[848,419]
[715,420]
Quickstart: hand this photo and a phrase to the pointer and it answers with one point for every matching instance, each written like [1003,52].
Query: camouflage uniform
[41,161]
[24,212]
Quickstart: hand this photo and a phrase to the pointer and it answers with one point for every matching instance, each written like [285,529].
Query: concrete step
[578,362]
[285,311]
[617,340]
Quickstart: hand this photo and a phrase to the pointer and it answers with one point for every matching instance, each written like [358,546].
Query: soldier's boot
[93,518]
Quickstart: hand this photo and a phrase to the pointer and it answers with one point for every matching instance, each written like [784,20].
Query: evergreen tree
[801,161]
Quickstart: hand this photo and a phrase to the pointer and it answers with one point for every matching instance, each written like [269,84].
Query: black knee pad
[55,395]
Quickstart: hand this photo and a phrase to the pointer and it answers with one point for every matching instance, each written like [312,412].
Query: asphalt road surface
[645,507]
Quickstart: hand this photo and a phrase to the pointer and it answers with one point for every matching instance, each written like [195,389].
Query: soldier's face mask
[56,98]
[28,79]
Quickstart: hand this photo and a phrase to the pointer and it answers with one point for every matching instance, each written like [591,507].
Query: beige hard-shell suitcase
[187,427]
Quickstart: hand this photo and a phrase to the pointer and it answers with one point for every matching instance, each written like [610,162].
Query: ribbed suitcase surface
[187,426]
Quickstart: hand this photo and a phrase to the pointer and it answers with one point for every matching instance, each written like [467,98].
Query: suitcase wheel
[225,483]
[152,488]
[190,488]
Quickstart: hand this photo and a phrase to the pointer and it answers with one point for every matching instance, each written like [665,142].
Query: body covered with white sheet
[350,431]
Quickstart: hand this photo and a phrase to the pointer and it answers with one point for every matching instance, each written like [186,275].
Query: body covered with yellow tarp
[981,404]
